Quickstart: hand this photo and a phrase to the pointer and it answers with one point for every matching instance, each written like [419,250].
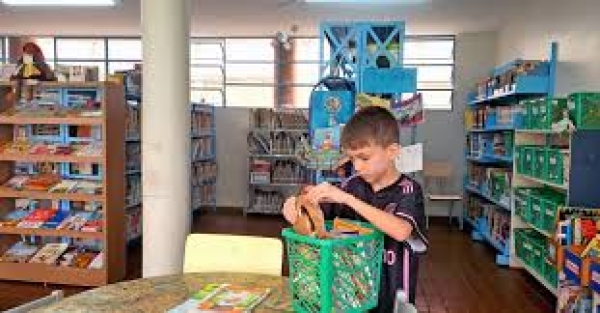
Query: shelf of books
[204,160]
[495,112]
[132,80]
[276,143]
[61,196]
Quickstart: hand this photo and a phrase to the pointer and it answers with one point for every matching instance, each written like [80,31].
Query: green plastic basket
[585,109]
[334,275]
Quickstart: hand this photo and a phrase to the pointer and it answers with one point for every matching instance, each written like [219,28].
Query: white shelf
[543,232]
[552,289]
[543,182]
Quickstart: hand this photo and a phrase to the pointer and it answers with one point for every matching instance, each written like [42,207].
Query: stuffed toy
[310,220]
[32,66]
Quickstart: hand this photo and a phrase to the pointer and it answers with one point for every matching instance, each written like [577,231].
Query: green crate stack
[556,165]
[551,201]
[584,108]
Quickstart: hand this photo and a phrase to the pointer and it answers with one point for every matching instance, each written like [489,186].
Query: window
[434,59]
[249,72]
[207,71]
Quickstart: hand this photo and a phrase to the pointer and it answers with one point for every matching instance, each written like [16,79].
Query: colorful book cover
[326,147]
[224,298]
[75,221]
[20,252]
[56,220]
[49,253]
[37,218]
[98,262]
[14,217]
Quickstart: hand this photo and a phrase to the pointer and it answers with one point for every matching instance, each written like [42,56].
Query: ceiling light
[54,3]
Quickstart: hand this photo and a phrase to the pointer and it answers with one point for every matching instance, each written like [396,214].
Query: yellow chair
[233,253]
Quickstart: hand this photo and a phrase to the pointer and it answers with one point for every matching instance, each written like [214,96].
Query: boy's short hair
[370,125]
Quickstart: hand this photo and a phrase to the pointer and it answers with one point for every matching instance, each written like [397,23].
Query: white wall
[573,24]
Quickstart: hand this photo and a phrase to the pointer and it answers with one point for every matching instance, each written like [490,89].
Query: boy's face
[372,162]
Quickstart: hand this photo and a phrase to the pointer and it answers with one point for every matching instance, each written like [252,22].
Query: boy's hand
[289,210]
[326,192]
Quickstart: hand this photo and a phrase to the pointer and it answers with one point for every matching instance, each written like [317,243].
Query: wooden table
[159,294]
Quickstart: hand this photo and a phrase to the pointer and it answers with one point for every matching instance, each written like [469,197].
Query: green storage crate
[525,108]
[584,108]
[539,254]
[550,111]
[556,165]
[534,111]
[522,207]
[540,156]
[528,160]
[550,274]
[518,159]
[537,217]
[340,275]
[550,204]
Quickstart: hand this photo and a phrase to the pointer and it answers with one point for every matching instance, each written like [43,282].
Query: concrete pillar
[165,135]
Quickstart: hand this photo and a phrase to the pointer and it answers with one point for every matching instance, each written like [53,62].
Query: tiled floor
[457,275]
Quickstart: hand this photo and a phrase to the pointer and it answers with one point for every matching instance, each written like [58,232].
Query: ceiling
[262,17]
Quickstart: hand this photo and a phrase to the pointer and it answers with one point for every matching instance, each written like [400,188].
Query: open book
[223,298]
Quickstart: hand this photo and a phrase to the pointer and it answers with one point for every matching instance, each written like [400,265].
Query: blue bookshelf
[496,115]
[204,161]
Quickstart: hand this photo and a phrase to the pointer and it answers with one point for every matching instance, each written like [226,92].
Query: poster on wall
[409,112]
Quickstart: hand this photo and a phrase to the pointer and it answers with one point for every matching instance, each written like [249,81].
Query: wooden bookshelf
[36,158]
[111,125]
[6,192]
[67,120]
[34,272]
[42,232]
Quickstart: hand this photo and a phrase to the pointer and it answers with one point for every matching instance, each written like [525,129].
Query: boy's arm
[393,226]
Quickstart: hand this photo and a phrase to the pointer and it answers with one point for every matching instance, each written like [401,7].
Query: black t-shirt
[404,199]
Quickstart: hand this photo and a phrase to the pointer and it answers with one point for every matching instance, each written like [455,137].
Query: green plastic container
[550,204]
[540,155]
[528,160]
[522,202]
[584,108]
[550,111]
[556,165]
[334,275]
[536,216]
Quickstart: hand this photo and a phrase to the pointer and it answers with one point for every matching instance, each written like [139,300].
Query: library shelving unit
[133,168]
[204,161]
[494,113]
[276,141]
[63,189]
[556,179]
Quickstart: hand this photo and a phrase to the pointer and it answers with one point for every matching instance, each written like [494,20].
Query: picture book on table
[223,298]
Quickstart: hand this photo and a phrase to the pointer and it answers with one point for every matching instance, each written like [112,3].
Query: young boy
[380,195]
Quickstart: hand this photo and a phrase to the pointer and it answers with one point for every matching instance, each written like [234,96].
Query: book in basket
[223,298]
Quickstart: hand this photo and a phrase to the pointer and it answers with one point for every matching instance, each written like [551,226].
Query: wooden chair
[233,253]
[438,177]
[54,297]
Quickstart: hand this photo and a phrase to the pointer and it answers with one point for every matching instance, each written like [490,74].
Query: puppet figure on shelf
[32,67]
